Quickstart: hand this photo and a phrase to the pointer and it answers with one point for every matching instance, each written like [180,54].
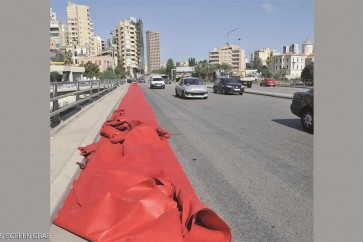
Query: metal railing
[77,92]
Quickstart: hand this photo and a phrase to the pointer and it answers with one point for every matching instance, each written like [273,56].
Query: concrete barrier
[271,94]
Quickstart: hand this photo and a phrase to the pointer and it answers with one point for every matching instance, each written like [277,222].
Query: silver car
[191,87]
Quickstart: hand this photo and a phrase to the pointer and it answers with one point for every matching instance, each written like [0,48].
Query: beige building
[58,32]
[103,62]
[129,45]
[230,54]
[182,64]
[263,54]
[153,50]
[80,27]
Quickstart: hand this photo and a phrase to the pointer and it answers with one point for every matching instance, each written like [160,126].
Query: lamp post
[229,33]
[113,55]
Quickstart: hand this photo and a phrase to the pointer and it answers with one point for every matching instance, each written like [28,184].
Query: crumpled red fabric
[132,187]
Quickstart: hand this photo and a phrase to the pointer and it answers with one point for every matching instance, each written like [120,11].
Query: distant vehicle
[142,80]
[167,81]
[191,87]
[129,80]
[303,107]
[268,82]
[157,82]
[227,85]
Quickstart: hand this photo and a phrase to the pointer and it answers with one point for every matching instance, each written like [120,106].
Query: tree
[169,66]
[120,70]
[68,60]
[277,75]
[257,64]
[91,69]
[54,75]
[307,73]
[283,72]
[159,71]
[108,74]
[265,72]
[191,61]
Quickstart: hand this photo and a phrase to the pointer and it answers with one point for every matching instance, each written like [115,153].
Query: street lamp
[113,55]
[229,33]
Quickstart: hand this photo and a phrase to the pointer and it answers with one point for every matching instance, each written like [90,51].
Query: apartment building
[80,26]
[230,54]
[153,50]
[128,44]
[58,32]
[263,54]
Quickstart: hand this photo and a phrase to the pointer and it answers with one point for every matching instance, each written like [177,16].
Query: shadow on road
[291,123]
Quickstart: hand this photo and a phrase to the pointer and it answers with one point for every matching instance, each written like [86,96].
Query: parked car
[268,82]
[142,80]
[129,80]
[191,87]
[167,81]
[303,107]
[157,82]
[227,85]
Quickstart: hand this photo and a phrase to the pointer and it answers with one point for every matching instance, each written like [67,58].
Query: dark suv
[303,107]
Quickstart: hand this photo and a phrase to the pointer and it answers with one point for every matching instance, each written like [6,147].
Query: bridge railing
[76,93]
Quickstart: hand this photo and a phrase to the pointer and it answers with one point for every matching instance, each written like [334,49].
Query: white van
[157,82]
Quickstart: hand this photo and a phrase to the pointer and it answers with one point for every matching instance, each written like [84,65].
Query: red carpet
[132,187]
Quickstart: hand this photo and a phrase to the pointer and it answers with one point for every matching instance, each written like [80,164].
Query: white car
[191,87]
[157,82]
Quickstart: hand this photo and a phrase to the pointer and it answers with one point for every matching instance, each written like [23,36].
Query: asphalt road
[247,158]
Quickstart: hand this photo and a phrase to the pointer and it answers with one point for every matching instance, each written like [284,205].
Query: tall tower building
[80,27]
[140,45]
[153,50]
[128,43]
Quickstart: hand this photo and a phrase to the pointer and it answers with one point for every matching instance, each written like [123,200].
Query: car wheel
[205,97]
[176,93]
[183,94]
[307,119]
[240,93]
[151,87]
[214,90]
[224,91]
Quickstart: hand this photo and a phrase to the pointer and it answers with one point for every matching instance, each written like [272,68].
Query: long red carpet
[132,187]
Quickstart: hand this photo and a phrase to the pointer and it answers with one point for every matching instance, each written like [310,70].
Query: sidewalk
[81,130]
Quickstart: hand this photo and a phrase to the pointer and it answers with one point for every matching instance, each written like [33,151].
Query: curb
[62,184]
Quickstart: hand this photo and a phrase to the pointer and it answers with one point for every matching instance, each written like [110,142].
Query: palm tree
[68,60]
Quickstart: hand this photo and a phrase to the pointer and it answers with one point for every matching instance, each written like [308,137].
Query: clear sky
[193,28]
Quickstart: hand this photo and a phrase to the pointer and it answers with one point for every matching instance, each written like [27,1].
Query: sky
[193,28]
